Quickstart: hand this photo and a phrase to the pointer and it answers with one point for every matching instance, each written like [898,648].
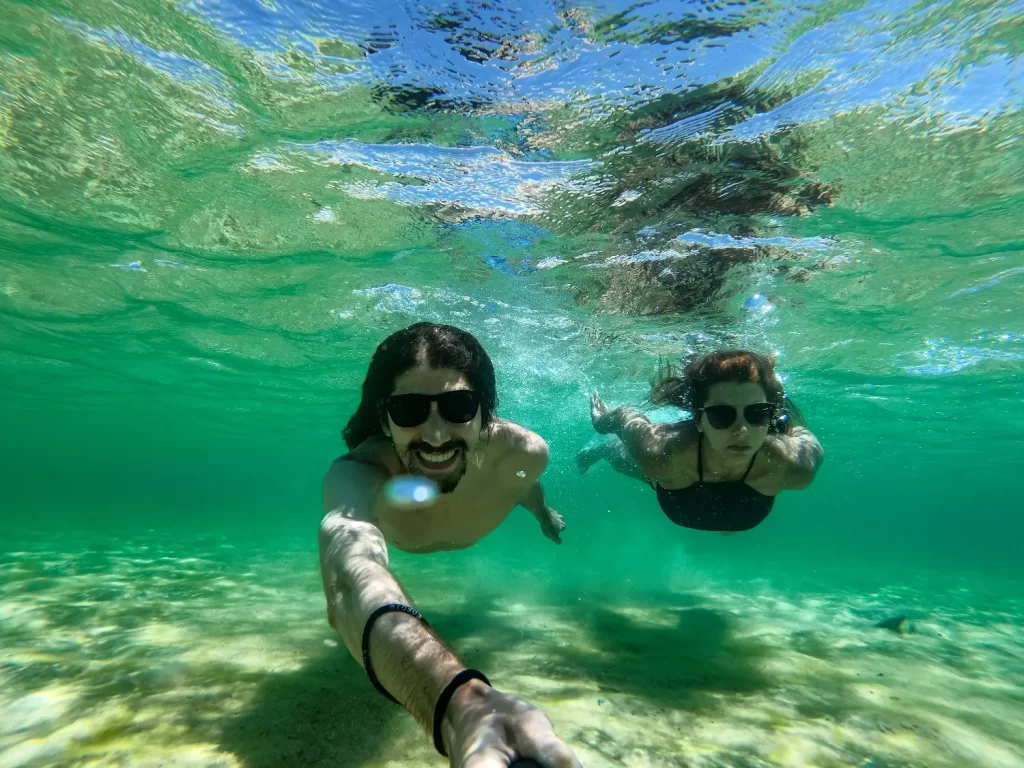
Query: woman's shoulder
[681,439]
[793,458]
[681,435]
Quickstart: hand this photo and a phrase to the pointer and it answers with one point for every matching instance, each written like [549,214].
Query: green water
[210,214]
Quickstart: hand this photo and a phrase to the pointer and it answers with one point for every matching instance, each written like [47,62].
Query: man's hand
[489,729]
[552,524]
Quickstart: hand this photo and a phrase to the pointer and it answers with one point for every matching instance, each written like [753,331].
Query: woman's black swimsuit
[726,506]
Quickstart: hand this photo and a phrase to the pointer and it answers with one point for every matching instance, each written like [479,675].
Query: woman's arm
[647,443]
[801,454]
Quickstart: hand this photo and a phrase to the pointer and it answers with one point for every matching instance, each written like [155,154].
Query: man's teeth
[437,458]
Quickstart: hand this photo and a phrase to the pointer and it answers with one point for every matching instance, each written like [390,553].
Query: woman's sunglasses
[724,416]
[456,407]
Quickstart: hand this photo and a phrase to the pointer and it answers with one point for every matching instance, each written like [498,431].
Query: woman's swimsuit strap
[700,462]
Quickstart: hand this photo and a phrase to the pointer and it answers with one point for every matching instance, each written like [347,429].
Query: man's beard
[448,482]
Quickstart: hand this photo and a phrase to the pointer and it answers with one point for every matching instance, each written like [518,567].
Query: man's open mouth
[437,460]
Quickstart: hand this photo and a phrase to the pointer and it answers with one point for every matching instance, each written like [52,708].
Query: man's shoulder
[353,481]
[377,453]
[511,443]
[509,437]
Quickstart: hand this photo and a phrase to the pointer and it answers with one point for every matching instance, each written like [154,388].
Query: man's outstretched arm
[408,660]
[481,725]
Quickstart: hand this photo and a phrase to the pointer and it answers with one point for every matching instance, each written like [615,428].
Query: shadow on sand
[675,652]
[328,714]
[325,714]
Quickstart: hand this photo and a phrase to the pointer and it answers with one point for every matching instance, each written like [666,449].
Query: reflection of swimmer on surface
[428,409]
[721,470]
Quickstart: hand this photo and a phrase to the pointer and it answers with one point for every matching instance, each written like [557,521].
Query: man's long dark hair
[431,344]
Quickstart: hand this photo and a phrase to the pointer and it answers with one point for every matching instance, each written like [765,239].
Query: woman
[721,469]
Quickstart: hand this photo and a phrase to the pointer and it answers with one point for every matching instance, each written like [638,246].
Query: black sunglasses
[724,416]
[456,407]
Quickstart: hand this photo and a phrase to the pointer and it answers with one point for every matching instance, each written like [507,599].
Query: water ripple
[942,357]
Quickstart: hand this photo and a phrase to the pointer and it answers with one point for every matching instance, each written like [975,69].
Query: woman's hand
[604,420]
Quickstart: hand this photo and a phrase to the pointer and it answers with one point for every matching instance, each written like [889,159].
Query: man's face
[437,449]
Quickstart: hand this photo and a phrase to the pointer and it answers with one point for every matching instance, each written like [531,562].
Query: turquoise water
[211,212]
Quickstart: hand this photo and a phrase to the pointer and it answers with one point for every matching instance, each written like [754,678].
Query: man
[428,409]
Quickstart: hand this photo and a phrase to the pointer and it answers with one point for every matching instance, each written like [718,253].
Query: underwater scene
[577,289]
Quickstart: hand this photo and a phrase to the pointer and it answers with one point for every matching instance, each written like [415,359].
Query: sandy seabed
[157,651]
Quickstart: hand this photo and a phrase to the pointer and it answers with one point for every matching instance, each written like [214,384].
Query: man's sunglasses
[724,416]
[456,407]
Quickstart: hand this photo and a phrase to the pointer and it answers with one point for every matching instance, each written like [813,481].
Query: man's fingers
[553,754]
[487,757]
[537,741]
[494,758]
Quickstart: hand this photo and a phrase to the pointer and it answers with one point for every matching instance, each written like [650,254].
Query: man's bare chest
[455,521]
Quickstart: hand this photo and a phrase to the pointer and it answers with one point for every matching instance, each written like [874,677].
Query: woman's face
[741,431]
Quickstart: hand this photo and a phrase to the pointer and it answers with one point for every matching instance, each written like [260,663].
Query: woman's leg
[612,450]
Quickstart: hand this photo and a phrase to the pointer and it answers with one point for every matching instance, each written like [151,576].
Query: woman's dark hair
[431,344]
[690,387]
